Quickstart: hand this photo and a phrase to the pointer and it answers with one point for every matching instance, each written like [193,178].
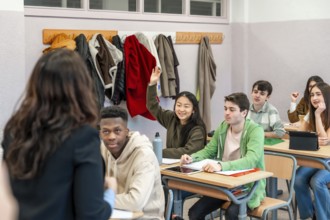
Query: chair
[282,166]
[168,201]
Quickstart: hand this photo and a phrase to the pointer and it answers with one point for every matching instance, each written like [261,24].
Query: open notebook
[199,166]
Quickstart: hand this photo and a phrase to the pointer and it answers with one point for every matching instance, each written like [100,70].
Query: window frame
[140,15]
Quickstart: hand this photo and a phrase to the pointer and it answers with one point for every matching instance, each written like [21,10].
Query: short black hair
[114,112]
[263,85]
[239,99]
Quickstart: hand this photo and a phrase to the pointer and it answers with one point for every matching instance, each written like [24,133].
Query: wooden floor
[282,215]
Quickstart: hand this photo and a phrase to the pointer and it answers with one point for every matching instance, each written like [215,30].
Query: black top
[70,185]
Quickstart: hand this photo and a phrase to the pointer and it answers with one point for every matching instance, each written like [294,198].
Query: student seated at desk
[264,113]
[130,159]
[316,179]
[186,131]
[302,107]
[239,144]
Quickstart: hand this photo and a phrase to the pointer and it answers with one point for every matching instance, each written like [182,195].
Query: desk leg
[177,203]
[272,192]
[242,211]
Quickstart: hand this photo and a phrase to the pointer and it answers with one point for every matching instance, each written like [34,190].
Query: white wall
[12,5]
[283,42]
[12,57]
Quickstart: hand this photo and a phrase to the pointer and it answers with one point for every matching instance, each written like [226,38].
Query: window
[122,5]
[54,3]
[201,11]
[163,6]
[205,7]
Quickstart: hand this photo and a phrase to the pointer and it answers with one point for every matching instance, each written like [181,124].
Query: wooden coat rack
[50,34]
[180,37]
[196,37]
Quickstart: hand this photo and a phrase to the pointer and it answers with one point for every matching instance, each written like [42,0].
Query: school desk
[213,185]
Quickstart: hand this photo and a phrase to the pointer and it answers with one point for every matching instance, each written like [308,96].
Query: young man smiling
[238,143]
[264,113]
[130,159]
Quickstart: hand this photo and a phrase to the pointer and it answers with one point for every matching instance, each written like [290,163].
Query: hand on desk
[209,167]
[212,167]
[186,159]
[323,141]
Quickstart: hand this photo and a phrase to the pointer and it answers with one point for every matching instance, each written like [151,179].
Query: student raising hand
[294,96]
[155,74]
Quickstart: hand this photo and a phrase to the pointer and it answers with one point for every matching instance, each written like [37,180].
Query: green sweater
[251,149]
[168,120]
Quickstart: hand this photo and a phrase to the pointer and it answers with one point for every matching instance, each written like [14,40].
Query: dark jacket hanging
[83,49]
[119,93]
[176,64]
[106,62]
[167,78]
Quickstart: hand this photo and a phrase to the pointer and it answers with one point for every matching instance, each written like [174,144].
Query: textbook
[199,166]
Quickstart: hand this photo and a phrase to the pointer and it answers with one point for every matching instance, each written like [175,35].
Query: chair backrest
[169,202]
[282,166]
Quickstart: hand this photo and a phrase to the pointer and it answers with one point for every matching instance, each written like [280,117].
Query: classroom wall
[12,57]
[187,55]
[283,42]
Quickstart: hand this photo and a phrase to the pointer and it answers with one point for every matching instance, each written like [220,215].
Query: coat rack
[50,34]
[196,37]
[180,37]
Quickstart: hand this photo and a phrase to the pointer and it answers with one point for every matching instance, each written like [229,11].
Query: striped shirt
[267,117]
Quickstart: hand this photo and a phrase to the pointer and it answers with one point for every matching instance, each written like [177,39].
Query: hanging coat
[83,49]
[176,64]
[139,63]
[150,45]
[206,80]
[105,57]
[119,90]
[167,78]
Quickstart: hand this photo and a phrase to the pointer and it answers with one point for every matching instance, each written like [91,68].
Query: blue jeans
[317,180]
[206,205]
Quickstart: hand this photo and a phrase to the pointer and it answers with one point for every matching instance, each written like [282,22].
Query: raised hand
[294,96]
[155,74]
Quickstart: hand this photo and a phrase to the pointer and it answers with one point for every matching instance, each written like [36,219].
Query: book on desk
[198,166]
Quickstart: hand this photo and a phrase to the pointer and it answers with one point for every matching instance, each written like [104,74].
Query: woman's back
[51,148]
[69,185]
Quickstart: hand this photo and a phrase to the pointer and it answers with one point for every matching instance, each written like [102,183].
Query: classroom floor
[281,215]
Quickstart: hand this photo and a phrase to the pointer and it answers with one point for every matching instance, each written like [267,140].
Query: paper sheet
[198,166]
[121,214]
[170,161]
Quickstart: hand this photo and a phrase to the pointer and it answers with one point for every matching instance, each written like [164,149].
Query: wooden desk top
[323,152]
[218,179]
[291,126]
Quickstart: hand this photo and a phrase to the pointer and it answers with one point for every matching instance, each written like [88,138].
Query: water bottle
[157,144]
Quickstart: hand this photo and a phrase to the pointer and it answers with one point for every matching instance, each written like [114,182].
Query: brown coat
[206,80]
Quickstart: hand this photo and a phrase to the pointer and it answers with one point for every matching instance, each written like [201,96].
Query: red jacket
[139,63]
